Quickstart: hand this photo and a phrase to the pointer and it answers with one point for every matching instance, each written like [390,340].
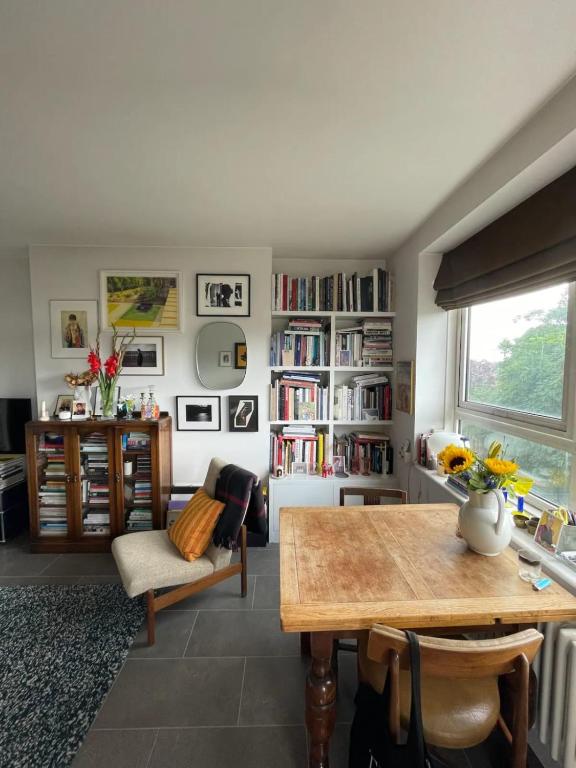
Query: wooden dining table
[343,569]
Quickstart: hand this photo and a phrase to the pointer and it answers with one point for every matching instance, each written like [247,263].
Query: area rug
[61,648]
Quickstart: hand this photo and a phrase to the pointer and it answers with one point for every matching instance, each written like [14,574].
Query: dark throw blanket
[241,491]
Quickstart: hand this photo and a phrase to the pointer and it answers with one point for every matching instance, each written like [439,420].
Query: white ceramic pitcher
[485,523]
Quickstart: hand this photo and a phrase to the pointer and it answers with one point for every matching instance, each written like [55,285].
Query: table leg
[320,699]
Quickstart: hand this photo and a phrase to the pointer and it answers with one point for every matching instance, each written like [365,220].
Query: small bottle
[153,405]
[142,405]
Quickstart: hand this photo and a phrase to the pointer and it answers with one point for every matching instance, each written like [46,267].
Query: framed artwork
[144,356]
[225,359]
[339,465]
[405,386]
[223,295]
[63,405]
[80,410]
[73,326]
[240,355]
[97,397]
[243,413]
[198,414]
[144,300]
[548,531]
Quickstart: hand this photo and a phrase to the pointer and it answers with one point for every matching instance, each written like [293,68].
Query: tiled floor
[222,687]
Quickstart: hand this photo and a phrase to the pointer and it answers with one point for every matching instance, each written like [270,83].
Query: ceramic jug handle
[501,512]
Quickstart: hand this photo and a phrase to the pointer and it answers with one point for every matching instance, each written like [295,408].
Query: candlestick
[44,413]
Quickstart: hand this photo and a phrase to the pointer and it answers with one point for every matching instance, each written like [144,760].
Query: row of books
[143,464]
[304,342]
[52,493]
[96,523]
[95,492]
[296,450]
[367,344]
[368,398]
[136,441]
[94,442]
[365,453]
[297,395]
[335,293]
[139,519]
[53,521]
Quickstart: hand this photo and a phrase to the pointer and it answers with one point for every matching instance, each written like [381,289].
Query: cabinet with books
[91,481]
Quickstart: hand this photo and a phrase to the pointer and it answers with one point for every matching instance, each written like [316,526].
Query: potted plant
[107,372]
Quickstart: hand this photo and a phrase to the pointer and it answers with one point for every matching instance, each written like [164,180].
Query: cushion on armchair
[192,532]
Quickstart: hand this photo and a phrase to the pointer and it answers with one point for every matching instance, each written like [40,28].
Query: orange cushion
[192,532]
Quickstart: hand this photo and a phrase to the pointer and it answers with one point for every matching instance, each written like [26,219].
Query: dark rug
[61,648]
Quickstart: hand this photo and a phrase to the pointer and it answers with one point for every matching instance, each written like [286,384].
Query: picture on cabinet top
[141,300]
[223,295]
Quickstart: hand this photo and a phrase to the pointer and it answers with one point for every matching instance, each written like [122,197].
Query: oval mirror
[221,355]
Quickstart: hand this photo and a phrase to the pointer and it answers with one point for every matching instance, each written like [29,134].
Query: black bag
[371,744]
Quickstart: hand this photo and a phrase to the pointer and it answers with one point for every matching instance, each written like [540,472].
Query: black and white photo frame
[243,413]
[222,295]
[198,413]
[144,356]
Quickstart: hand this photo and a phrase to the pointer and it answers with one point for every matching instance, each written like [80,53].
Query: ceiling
[322,128]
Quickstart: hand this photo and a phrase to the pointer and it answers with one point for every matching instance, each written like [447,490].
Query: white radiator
[555,668]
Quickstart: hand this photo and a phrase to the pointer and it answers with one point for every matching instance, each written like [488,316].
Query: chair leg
[244,560]
[520,724]
[151,617]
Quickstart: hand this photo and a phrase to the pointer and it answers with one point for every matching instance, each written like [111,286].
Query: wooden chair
[148,561]
[373,496]
[459,682]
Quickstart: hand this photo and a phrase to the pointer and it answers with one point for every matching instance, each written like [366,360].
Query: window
[515,385]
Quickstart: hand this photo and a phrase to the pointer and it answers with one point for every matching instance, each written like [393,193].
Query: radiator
[555,669]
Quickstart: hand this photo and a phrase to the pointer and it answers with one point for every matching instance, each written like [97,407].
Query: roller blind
[531,246]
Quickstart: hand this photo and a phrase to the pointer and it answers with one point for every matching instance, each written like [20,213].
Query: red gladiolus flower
[111,366]
[94,362]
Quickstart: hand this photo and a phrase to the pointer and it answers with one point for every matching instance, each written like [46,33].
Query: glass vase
[107,397]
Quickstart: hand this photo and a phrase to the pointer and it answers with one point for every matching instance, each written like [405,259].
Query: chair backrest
[373,496]
[443,657]
[215,467]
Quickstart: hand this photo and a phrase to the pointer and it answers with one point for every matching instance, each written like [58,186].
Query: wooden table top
[345,568]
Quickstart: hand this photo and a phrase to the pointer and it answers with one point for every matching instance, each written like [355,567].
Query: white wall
[72,272]
[16,338]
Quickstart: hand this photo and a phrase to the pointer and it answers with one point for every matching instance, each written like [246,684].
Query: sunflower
[500,466]
[456,459]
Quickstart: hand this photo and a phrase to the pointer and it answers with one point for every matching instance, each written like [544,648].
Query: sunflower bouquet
[484,474]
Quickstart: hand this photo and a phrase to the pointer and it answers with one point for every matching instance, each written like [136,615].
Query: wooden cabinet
[90,481]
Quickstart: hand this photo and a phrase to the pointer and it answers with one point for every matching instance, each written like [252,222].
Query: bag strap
[416,729]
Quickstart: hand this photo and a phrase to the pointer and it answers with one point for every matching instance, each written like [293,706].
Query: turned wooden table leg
[320,699]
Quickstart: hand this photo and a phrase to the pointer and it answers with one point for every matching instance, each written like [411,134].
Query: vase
[485,524]
[107,398]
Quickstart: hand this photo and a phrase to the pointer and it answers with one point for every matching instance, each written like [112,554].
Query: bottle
[155,408]
[142,405]
[150,406]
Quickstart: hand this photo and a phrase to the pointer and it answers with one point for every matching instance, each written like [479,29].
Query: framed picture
[144,300]
[548,531]
[369,414]
[339,466]
[97,397]
[405,386]
[63,405]
[73,326]
[345,358]
[240,354]
[225,359]
[144,356]
[80,410]
[198,414]
[243,413]
[223,295]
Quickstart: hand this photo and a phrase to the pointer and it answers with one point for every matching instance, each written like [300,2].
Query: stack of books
[12,469]
[298,396]
[143,492]
[52,508]
[97,523]
[365,452]
[303,343]
[299,447]
[136,441]
[368,398]
[376,343]
[95,493]
[51,449]
[335,293]
[143,465]
[139,519]
[349,346]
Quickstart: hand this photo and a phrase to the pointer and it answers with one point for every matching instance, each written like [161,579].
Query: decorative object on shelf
[214,349]
[225,359]
[63,407]
[243,413]
[143,355]
[149,408]
[107,372]
[126,406]
[80,410]
[339,464]
[44,415]
[220,295]
[405,386]
[145,299]
[198,414]
[484,522]
[327,470]
[72,323]
[548,531]
[240,355]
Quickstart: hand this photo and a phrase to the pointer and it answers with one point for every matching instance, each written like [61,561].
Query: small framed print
[243,413]
[339,466]
[97,398]
[369,414]
[198,414]
[345,358]
[225,359]
[548,531]
[144,356]
[240,355]
[63,407]
[73,326]
[222,295]
[80,410]
[405,386]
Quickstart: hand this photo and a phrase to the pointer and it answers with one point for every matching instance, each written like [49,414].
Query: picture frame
[141,299]
[73,327]
[344,358]
[369,414]
[97,400]
[222,295]
[63,405]
[80,410]
[405,386]
[144,356]
[240,355]
[243,413]
[225,359]
[198,413]
[339,466]
[548,532]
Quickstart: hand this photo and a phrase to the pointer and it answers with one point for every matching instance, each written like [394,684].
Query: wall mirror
[221,355]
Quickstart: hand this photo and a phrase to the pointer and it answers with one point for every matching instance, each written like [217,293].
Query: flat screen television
[14,413]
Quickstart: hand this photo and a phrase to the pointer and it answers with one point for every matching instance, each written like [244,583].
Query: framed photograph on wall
[73,326]
[144,300]
[223,295]
[243,413]
[144,356]
[198,414]
[405,386]
[240,355]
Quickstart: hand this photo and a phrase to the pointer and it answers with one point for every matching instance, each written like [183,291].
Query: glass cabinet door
[96,482]
[52,484]
[136,479]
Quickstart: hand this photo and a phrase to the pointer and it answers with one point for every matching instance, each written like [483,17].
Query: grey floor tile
[264,561]
[281,747]
[83,564]
[273,692]
[151,693]
[241,633]
[111,579]
[267,591]
[19,563]
[226,595]
[116,749]
[173,629]
[38,580]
